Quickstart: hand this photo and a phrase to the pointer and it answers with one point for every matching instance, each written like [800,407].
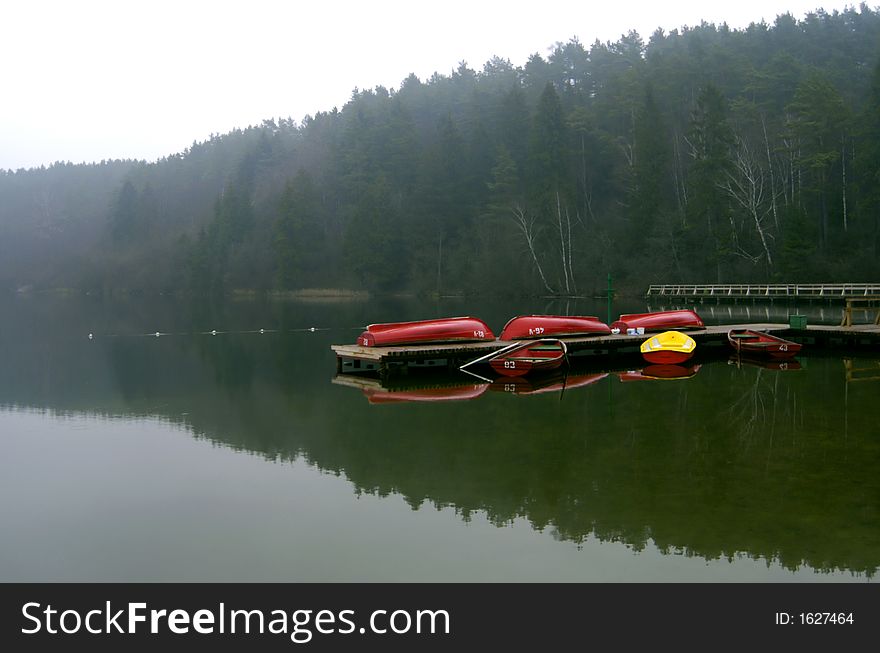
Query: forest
[702,155]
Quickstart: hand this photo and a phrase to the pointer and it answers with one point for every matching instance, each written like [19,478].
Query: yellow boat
[669,347]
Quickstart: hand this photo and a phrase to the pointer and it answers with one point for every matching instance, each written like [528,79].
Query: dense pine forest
[706,154]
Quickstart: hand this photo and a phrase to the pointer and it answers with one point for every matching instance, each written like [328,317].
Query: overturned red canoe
[659,321]
[553,326]
[529,357]
[447,329]
[758,343]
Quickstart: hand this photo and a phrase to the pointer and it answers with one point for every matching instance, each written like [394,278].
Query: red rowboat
[552,326]
[752,342]
[660,321]
[448,329]
[529,357]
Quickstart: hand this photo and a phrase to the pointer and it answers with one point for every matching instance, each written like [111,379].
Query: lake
[238,456]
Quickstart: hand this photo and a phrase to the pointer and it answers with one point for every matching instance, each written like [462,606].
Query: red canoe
[529,357]
[553,326]
[660,321]
[751,342]
[448,329]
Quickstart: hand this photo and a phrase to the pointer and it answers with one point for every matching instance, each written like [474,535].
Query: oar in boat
[567,365]
[491,354]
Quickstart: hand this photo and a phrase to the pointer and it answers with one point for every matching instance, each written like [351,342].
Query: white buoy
[312,329]
[261,331]
[91,336]
[157,334]
[214,333]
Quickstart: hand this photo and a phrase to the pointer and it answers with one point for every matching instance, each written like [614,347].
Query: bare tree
[843,173]
[681,189]
[526,226]
[563,225]
[773,194]
[746,185]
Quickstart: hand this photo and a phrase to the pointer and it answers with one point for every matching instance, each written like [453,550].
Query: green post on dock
[610,295]
[610,385]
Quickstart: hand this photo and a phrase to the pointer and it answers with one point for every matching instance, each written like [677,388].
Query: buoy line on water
[218,332]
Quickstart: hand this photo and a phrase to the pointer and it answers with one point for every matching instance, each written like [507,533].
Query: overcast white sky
[85,80]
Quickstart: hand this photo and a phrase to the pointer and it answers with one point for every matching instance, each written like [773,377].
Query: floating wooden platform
[354,358]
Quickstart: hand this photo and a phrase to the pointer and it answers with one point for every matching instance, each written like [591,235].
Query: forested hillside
[702,155]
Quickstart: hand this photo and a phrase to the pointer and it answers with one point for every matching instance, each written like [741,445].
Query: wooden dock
[764,292]
[385,360]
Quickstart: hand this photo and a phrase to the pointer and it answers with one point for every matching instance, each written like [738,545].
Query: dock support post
[847,315]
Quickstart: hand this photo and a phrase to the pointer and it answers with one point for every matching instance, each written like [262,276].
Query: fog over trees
[702,155]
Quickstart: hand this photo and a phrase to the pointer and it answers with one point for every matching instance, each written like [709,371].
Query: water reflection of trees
[761,406]
[658,461]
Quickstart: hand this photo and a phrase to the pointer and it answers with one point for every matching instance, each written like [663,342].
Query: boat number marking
[510,365]
[783,347]
[509,387]
[536,331]
[479,334]
[366,342]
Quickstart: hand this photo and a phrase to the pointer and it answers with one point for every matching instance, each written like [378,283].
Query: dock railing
[764,291]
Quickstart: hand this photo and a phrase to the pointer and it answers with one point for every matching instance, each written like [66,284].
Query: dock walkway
[721,292]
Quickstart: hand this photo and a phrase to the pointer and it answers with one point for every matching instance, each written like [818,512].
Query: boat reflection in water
[663,372]
[427,387]
[438,386]
[421,388]
[547,383]
[776,364]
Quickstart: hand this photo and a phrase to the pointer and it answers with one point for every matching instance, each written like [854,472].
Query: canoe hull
[659,321]
[533,357]
[758,343]
[553,326]
[451,329]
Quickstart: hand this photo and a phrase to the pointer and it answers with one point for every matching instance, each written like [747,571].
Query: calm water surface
[238,456]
